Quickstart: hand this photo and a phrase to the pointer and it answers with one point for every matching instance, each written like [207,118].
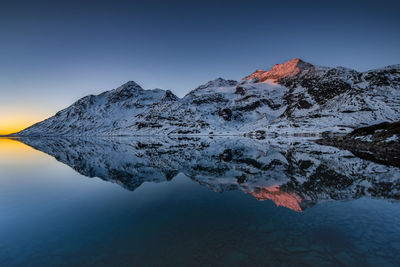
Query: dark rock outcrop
[379,143]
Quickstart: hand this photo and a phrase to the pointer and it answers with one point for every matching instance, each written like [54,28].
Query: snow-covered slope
[105,113]
[293,97]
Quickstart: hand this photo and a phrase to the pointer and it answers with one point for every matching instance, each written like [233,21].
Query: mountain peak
[125,91]
[298,62]
[292,65]
[279,71]
[130,85]
[218,82]
[169,96]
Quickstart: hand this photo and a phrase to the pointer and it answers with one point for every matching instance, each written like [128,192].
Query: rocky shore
[379,143]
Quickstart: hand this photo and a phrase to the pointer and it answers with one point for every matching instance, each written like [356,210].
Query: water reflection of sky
[52,215]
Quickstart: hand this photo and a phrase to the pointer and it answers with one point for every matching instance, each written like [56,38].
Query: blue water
[52,215]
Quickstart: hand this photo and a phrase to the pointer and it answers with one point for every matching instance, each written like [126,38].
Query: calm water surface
[211,202]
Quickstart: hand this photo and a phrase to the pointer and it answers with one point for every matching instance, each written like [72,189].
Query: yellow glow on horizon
[13,122]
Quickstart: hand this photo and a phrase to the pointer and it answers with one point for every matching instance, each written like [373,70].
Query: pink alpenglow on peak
[279,71]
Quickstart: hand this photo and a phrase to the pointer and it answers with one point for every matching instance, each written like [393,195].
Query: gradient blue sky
[54,52]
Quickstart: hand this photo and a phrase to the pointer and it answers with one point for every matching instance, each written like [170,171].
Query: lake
[194,201]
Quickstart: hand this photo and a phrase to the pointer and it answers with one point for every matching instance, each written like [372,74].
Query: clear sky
[54,52]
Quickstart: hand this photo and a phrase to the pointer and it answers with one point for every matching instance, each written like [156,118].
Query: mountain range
[293,97]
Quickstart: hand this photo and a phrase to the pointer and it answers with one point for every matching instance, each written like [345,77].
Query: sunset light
[14,121]
[199,133]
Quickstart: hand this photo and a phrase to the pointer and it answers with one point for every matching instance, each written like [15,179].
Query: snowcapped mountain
[293,97]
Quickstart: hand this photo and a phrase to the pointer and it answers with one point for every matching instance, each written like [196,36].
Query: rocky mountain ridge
[379,143]
[293,97]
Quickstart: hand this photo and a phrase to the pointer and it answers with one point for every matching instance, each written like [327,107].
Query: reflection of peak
[279,172]
[280,198]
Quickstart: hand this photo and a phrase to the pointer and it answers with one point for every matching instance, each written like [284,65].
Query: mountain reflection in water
[295,174]
[280,198]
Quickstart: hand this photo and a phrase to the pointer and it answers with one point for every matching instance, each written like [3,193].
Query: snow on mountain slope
[105,113]
[293,97]
[337,99]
